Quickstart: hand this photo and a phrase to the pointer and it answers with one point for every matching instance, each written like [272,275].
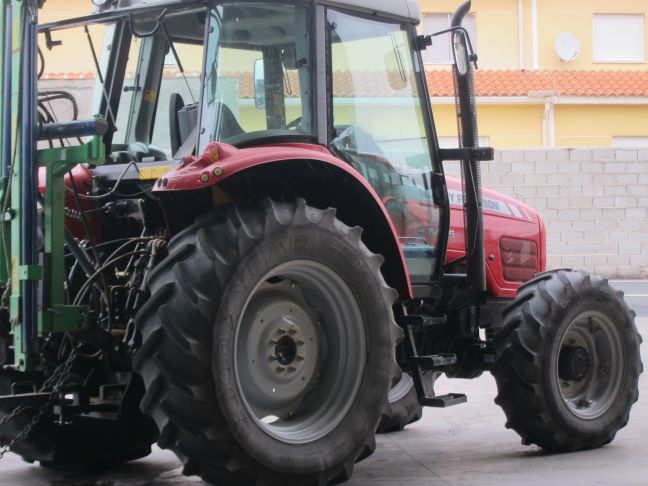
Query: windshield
[258,80]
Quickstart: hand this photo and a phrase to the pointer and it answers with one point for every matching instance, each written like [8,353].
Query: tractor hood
[494,203]
[514,239]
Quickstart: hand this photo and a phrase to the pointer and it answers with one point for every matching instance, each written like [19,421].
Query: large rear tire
[268,346]
[568,362]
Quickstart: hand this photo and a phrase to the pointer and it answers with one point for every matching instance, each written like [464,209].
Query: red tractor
[241,264]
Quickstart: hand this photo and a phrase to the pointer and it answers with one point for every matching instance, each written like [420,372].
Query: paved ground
[467,444]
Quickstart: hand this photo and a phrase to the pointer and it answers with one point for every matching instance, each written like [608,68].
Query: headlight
[519,259]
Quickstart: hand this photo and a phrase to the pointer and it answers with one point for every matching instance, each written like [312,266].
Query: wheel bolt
[281,330]
[300,342]
[300,357]
[273,358]
[292,331]
[274,341]
[291,369]
[280,369]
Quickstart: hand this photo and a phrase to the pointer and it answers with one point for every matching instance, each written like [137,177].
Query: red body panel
[503,215]
[83,182]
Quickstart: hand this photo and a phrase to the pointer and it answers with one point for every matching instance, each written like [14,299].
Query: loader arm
[32,282]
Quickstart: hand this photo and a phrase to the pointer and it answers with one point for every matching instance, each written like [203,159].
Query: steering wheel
[294,125]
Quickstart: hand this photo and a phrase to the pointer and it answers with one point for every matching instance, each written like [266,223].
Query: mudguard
[220,161]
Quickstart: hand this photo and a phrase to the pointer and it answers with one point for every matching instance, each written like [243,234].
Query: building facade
[552,73]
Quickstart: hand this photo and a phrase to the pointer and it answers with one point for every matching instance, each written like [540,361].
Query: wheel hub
[574,363]
[282,349]
[588,367]
[286,350]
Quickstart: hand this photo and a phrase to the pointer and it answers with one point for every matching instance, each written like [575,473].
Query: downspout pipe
[521,35]
[534,34]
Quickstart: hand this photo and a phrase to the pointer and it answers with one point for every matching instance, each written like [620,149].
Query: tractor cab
[174,77]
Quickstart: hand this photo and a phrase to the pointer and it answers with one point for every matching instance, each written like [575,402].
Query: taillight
[519,259]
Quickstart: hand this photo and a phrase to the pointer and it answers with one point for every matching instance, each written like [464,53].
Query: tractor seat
[183,121]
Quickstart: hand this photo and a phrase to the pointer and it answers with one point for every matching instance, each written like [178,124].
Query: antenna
[567,47]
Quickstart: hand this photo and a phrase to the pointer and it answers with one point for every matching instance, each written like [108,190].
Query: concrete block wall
[594,203]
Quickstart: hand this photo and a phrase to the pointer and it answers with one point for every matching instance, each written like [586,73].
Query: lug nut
[300,357]
[292,331]
[281,369]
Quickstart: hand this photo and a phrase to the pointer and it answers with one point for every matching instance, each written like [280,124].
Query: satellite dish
[567,47]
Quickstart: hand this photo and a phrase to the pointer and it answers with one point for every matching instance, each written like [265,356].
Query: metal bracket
[477,154]
[30,272]
[61,318]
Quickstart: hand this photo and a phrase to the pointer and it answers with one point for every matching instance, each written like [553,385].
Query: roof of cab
[404,10]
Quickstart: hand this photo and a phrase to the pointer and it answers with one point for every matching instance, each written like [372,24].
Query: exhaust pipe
[471,171]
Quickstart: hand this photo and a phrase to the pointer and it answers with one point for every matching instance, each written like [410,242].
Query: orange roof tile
[562,83]
[368,84]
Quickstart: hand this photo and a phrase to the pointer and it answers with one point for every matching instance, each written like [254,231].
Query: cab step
[444,401]
[434,361]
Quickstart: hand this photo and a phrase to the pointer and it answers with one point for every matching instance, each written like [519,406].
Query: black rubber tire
[187,329]
[403,411]
[528,346]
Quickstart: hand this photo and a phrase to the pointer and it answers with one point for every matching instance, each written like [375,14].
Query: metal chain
[53,384]
[8,418]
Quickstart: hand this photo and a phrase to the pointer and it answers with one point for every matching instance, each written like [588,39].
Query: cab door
[379,113]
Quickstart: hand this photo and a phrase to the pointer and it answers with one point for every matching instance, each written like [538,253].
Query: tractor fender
[295,170]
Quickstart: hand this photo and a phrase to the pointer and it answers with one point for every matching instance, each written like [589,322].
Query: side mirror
[259,85]
[460,50]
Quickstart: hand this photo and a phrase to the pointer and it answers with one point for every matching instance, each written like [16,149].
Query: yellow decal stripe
[148,173]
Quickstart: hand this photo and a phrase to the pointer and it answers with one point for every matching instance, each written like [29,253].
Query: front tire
[568,362]
[268,346]
[404,406]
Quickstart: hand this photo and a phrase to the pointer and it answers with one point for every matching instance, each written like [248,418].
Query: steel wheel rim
[401,389]
[593,395]
[300,351]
